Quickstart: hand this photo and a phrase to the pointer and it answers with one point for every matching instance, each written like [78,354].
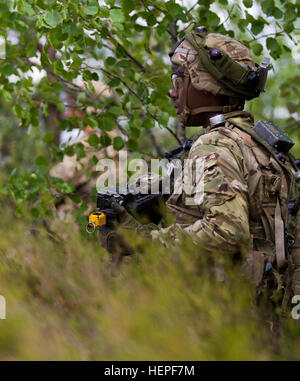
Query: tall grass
[165,304]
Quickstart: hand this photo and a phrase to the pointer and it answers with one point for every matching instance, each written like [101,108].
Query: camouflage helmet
[219,64]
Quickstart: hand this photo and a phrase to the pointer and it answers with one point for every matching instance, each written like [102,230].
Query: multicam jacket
[244,197]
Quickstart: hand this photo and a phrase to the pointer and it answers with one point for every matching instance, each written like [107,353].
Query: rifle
[144,208]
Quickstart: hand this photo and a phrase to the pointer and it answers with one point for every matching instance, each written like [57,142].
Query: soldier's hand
[126,220]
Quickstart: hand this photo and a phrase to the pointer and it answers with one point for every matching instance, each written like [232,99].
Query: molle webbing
[227,71]
[233,119]
[294,193]
[295,255]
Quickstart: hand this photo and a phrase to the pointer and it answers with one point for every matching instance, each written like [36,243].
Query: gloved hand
[127,221]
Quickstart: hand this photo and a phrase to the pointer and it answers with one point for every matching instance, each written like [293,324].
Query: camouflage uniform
[244,204]
[221,220]
[82,173]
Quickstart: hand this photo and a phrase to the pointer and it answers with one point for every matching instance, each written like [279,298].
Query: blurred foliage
[50,44]
[165,304]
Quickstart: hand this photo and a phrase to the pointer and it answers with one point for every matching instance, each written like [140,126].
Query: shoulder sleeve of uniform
[220,162]
[217,139]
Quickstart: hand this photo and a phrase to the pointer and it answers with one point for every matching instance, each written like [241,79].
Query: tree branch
[192,7]
[229,14]
[291,124]
[264,35]
[154,141]
[128,55]
[139,98]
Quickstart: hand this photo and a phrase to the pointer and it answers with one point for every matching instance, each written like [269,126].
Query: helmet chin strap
[199,110]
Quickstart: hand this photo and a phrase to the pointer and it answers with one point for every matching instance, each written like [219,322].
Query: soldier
[250,197]
[79,172]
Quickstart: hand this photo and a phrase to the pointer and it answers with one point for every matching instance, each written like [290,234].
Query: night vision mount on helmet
[242,79]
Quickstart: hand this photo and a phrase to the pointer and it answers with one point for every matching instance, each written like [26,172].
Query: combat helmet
[220,65]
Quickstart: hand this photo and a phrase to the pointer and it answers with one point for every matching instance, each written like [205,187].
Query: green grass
[63,304]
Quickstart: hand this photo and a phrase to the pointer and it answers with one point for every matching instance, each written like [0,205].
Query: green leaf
[89,121]
[128,6]
[18,110]
[48,138]
[7,68]
[105,140]
[257,26]
[68,188]
[124,63]
[115,110]
[117,15]
[174,9]
[91,10]
[21,26]
[75,198]
[249,17]
[52,18]
[288,27]
[132,144]
[27,9]
[248,3]
[41,161]
[277,13]
[242,23]
[268,7]
[58,67]
[31,49]
[110,61]
[79,150]
[213,20]
[274,47]
[104,11]
[45,60]
[257,49]
[93,140]
[114,82]
[118,143]
[134,132]
[107,124]
[6,95]
[290,15]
